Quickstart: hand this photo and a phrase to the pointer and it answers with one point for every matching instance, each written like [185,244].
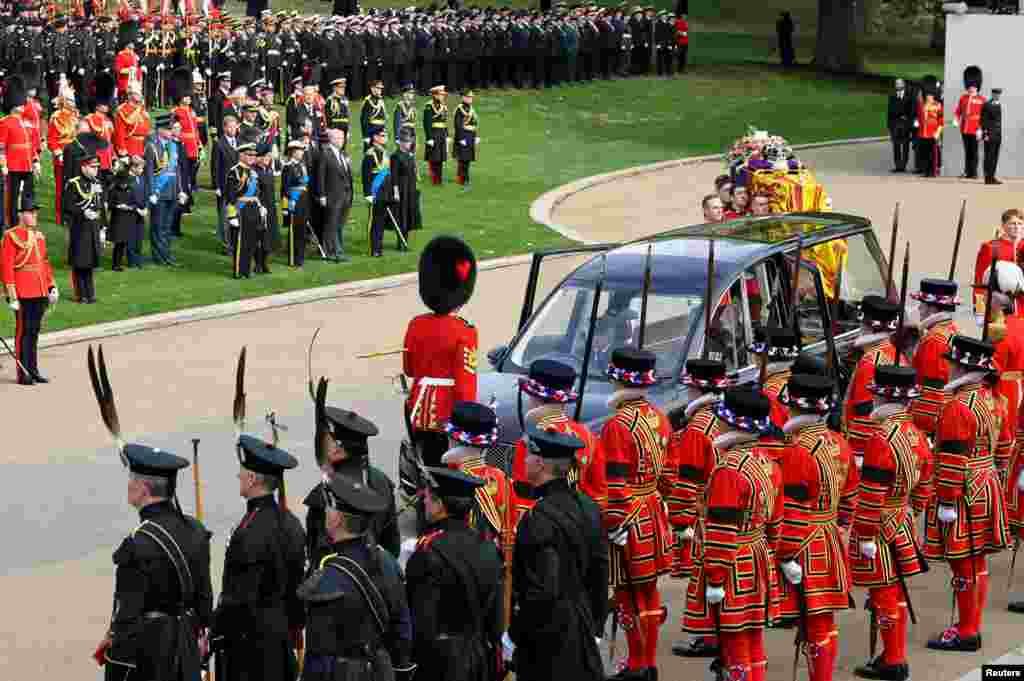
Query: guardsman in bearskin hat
[259,614]
[567,594]
[874,346]
[1008,245]
[741,525]
[62,130]
[549,390]
[358,584]
[692,454]
[162,590]
[180,90]
[635,442]
[29,287]
[342,449]
[435,132]
[19,160]
[101,126]
[820,484]
[895,485]
[453,579]
[968,118]
[937,300]
[440,346]
[374,113]
[126,63]
[466,125]
[966,519]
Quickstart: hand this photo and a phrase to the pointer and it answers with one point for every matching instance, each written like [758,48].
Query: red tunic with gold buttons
[33,112]
[494,499]
[744,511]
[692,456]
[588,476]
[998,249]
[820,484]
[126,68]
[1014,497]
[1008,338]
[189,130]
[857,423]
[17,144]
[930,117]
[442,347]
[131,127]
[932,373]
[968,113]
[635,443]
[895,480]
[24,264]
[100,125]
[966,476]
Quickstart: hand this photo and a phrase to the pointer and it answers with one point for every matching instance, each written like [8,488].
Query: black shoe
[26,380]
[695,647]
[992,180]
[631,675]
[39,378]
[342,258]
[1015,606]
[90,301]
[950,639]
[117,269]
[876,669]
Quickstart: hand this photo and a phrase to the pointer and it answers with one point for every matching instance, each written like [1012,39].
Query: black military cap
[879,313]
[448,482]
[262,457]
[745,409]
[706,374]
[895,382]
[807,392]
[551,444]
[408,87]
[349,426]
[971,353]
[356,498]
[551,381]
[632,366]
[780,343]
[473,424]
[375,130]
[146,460]
[938,292]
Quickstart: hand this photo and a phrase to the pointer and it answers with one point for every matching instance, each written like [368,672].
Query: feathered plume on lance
[105,399]
[238,409]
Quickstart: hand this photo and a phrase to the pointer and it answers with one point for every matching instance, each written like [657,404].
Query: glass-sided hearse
[754,259]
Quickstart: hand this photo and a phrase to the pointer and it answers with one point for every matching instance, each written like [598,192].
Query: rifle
[956,244]
[892,251]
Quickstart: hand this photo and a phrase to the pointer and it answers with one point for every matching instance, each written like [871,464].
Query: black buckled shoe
[950,639]
[1015,606]
[876,669]
[26,380]
[647,674]
[39,378]
[695,647]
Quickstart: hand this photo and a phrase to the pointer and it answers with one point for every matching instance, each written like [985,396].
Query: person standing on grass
[295,192]
[334,182]
[682,41]
[166,182]
[784,29]
[224,158]
[82,209]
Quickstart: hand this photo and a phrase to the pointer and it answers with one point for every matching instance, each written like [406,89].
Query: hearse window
[765,295]
[729,338]
[863,276]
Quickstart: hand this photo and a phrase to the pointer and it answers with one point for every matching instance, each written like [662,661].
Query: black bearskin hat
[242,73]
[180,84]
[972,77]
[14,94]
[105,85]
[447,274]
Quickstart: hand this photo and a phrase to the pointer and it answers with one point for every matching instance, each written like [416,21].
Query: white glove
[714,595]
[36,168]
[143,212]
[868,549]
[686,534]
[14,305]
[1020,482]
[144,69]
[956,123]
[91,215]
[793,572]
[217,192]
[462,142]
[3,169]
[81,72]
[366,140]
[430,143]
[233,222]
[479,140]
[508,648]
[619,537]
[947,514]
[152,199]
[917,124]
[182,198]
[858,461]
[369,199]
[103,236]
[980,319]
[123,206]
[53,295]
[323,200]
[597,641]
[978,134]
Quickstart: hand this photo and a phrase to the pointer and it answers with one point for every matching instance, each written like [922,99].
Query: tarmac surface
[65,489]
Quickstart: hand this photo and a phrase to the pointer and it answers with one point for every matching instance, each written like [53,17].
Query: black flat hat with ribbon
[551,444]
[551,381]
[780,343]
[633,367]
[745,409]
[705,374]
[473,424]
[808,393]
[353,497]
[971,353]
[451,483]
[879,313]
[152,461]
[348,425]
[898,383]
[938,292]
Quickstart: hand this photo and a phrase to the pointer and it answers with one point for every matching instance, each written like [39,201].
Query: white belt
[427,382]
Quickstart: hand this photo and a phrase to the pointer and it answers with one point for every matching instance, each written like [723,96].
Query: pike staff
[956,244]
[889,291]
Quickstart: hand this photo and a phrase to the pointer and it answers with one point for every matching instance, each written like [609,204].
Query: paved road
[65,489]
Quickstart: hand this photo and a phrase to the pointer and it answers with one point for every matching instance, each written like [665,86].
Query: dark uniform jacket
[374,113]
[336,112]
[435,128]
[263,568]
[155,618]
[465,133]
[901,114]
[355,632]
[560,586]
[403,178]
[454,585]
[383,528]
[81,195]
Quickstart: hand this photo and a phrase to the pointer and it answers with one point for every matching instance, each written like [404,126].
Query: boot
[1016,606]
[699,646]
[951,640]
[877,669]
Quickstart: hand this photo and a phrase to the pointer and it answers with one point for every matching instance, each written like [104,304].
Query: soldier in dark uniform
[83,206]
[406,115]
[358,623]
[404,178]
[559,571]
[454,582]
[295,192]
[466,124]
[259,614]
[336,111]
[378,190]
[162,591]
[245,213]
[992,134]
[342,451]
[435,131]
[374,113]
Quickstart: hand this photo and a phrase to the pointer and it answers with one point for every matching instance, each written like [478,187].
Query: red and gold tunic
[857,423]
[439,347]
[61,132]
[494,499]
[100,125]
[17,144]
[968,113]
[1008,337]
[33,113]
[966,478]
[930,121]
[932,372]
[189,130]
[744,511]
[896,477]
[999,249]
[1014,497]
[131,127]
[126,68]
[24,266]
[692,455]
[635,442]
[820,484]
[588,476]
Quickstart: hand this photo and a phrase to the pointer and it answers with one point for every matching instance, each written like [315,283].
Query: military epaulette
[323,561]
[464,320]
[425,541]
